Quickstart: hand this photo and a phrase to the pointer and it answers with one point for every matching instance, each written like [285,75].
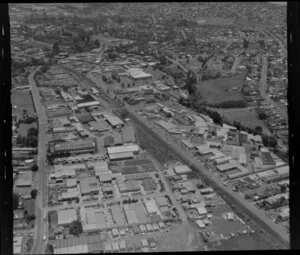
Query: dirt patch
[184,239]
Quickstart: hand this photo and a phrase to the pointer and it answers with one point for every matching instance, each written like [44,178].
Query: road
[41,229]
[178,64]
[259,216]
[236,63]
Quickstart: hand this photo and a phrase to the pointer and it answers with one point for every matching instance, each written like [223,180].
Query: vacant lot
[218,90]
[247,117]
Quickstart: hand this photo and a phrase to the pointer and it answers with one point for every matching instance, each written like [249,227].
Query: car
[44,238]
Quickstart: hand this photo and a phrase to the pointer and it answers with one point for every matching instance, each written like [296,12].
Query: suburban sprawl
[149,127]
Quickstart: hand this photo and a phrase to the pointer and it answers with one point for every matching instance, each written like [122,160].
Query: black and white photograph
[149,127]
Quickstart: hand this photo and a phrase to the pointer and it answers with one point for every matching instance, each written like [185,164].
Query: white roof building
[66,216]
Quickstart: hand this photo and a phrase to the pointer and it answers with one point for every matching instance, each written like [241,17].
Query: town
[143,127]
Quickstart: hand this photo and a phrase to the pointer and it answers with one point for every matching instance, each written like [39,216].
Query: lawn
[217,90]
[247,117]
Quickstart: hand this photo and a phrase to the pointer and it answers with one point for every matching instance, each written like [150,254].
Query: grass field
[245,116]
[23,100]
[22,130]
[216,91]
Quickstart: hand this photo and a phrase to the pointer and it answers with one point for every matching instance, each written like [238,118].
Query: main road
[41,228]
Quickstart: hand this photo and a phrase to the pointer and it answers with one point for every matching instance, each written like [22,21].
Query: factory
[122,152]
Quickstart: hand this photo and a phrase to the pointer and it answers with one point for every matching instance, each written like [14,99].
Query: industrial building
[89,186]
[99,126]
[75,147]
[181,169]
[122,152]
[138,74]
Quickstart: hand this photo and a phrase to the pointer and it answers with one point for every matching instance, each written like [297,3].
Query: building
[226,167]
[206,191]
[89,186]
[151,207]
[181,169]
[88,104]
[75,147]
[138,74]
[115,150]
[114,121]
[66,217]
[99,126]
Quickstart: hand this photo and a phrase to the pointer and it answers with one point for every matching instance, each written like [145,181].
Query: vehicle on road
[44,238]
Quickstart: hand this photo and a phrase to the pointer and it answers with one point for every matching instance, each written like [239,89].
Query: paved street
[41,201]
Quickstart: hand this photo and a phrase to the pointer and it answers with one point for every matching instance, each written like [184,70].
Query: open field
[247,117]
[214,21]
[184,239]
[22,100]
[217,90]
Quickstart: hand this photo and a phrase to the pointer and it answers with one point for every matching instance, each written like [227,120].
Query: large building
[76,147]
[138,74]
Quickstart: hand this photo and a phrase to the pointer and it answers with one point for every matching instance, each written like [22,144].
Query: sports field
[219,90]
[247,117]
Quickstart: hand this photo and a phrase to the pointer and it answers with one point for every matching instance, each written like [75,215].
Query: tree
[32,132]
[16,198]
[217,118]
[245,43]
[33,193]
[123,114]
[258,129]
[55,48]
[97,43]
[34,168]
[76,228]
[262,116]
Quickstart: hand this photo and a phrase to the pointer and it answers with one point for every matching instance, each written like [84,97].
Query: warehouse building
[122,152]
[75,147]
[227,167]
[138,74]
[89,186]
[113,120]
[99,126]
[151,207]
[220,161]
[181,169]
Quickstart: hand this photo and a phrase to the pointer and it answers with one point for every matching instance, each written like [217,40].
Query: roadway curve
[41,229]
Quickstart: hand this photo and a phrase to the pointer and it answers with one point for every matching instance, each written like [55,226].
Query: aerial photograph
[149,127]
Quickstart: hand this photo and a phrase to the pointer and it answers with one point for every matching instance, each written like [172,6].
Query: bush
[34,168]
[34,193]
[76,228]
